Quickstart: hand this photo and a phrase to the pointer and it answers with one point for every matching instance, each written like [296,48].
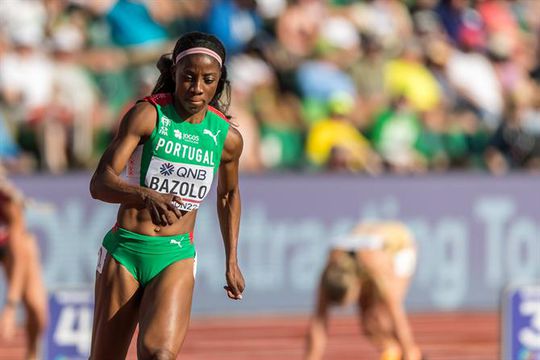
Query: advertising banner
[475,234]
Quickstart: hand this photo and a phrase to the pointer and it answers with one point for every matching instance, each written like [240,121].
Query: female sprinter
[372,267]
[19,256]
[170,145]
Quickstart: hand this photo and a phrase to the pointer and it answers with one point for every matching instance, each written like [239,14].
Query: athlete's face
[197,78]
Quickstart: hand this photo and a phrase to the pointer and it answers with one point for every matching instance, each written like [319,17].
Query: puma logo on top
[208,132]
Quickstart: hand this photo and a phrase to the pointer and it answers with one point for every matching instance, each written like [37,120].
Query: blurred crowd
[366,86]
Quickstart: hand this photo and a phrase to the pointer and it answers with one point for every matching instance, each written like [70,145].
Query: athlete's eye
[188,78]
[209,80]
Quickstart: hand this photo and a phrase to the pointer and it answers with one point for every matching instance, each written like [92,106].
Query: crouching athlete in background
[170,145]
[371,266]
[19,256]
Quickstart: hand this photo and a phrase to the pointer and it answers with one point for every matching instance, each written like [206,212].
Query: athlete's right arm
[380,268]
[107,185]
[316,336]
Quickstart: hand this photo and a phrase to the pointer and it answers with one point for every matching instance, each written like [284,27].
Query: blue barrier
[475,234]
[69,332]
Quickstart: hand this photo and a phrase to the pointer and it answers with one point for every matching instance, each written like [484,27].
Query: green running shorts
[145,256]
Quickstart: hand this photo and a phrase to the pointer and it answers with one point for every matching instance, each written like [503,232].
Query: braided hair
[165,82]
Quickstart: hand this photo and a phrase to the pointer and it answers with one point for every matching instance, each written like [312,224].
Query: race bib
[191,182]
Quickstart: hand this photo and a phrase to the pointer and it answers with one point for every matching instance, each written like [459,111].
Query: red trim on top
[218,113]
[192,201]
[166,99]
[191,237]
[159,99]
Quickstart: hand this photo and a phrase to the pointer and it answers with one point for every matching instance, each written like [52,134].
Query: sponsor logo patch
[166,169]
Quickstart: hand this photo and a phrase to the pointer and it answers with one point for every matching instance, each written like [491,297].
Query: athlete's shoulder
[218,114]
[161,99]
[140,119]
[234,144]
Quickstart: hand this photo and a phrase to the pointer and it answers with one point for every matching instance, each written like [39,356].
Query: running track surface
[442,336]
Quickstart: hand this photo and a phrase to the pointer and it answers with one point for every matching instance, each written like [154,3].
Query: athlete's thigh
[374,305]
[117,301]
[165,311]
[389,273]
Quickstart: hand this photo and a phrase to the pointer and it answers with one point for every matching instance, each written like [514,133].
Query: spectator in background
[456,125]
[477,55]
[387,20]
[278,113]
[76,93]
[452,15]
[29,16]
[334,143]
[134,36]
[516,143]
[368,76]
[297,28]
[474,77]
[10,153]
[437,53]
[407,76]
[189,16]
[319,78]
[395,134]
[498,19]
[235,22]
[131,22]
[247,73]
[26,87]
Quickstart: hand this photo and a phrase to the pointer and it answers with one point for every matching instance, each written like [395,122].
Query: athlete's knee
[375,325]
[37,318]
[157,354]
[369,326]
[31,248]
[163,354]
[36,311]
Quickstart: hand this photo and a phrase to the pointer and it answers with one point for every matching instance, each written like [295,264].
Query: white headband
[198,50]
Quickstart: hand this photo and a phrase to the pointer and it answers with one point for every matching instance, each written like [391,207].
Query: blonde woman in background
[371,266]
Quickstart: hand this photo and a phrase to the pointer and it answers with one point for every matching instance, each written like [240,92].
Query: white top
[355,242]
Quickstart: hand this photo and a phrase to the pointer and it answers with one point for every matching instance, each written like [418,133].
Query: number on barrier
[530,336]
[74,328]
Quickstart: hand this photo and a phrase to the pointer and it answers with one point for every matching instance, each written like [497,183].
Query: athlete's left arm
[228,206]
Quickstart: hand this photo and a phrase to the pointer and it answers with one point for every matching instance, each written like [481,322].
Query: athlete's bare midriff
[138,220]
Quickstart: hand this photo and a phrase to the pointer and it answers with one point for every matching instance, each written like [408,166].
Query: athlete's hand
[235,282]
[162,207]
[8,322]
